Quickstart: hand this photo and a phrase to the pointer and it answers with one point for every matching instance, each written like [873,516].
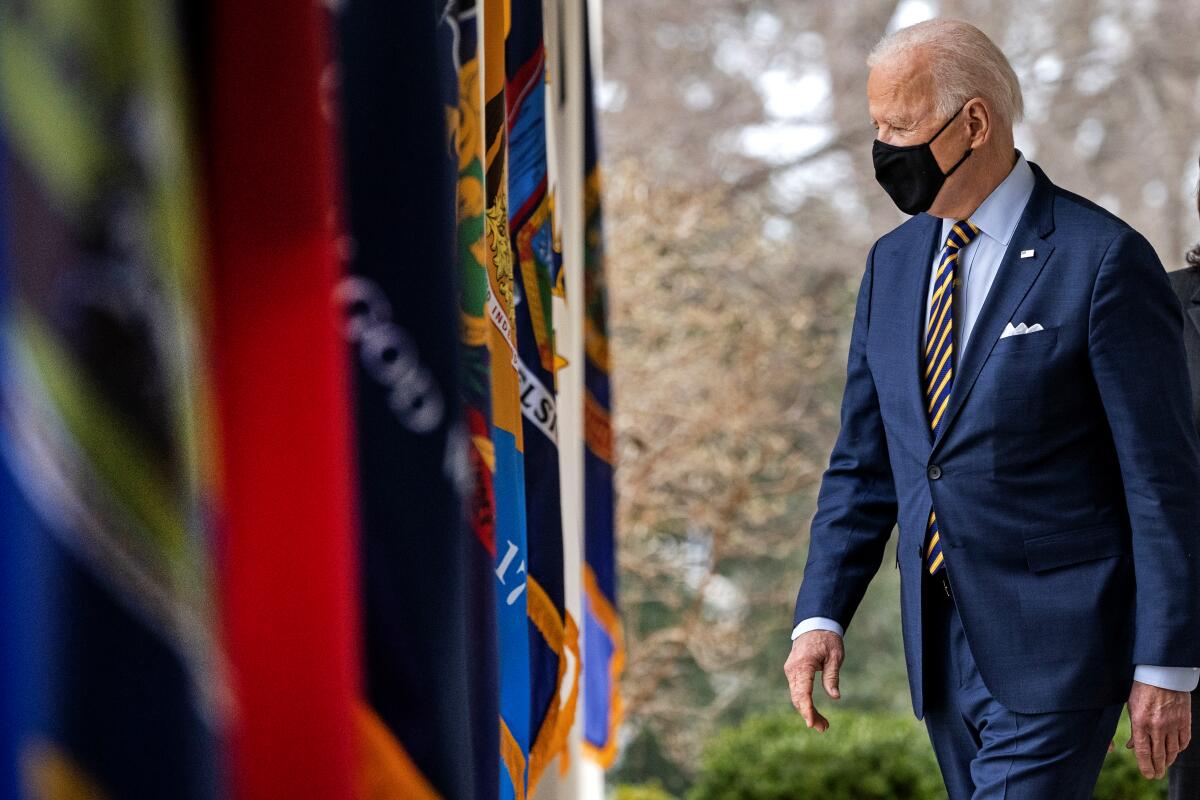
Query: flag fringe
[562,638]
[514,760]
[604,613]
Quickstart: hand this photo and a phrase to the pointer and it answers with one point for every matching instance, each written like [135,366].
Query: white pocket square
[1020,330]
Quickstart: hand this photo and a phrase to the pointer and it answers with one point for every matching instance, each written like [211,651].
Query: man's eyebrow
[893,121]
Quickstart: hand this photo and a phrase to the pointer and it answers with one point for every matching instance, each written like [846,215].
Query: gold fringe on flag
[562,638]
[513,758]
[607,616]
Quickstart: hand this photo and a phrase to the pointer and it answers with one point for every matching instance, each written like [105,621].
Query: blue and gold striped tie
[939,359]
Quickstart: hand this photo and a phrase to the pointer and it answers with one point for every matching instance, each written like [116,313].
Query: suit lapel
[925,244]
[1013,280]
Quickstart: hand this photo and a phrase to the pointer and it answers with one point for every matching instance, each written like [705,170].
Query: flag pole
[564,34]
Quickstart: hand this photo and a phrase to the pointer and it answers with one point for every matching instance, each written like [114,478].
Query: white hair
[964,64]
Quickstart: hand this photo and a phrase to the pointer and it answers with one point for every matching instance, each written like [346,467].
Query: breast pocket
[1022,381]
[1026,342]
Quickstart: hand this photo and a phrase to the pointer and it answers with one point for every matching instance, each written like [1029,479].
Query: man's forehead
[906,67]
[900,90]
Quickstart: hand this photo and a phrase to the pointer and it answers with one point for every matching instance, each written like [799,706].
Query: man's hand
[812,652]
[1162,726]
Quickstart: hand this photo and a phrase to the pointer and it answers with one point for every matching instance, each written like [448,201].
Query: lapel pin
[1027,254]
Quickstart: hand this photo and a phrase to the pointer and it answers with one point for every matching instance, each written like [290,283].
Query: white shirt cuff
[817,624]
[1177,679]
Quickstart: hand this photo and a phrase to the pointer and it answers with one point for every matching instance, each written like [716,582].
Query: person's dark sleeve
[1135,344]
[856,507]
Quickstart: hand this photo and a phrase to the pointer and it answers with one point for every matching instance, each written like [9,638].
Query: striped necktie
[939,359]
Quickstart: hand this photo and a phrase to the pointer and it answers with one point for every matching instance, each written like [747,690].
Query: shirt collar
[999,213]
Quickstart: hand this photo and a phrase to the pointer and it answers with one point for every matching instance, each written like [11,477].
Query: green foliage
[645,791]
[644,763]
[861,757]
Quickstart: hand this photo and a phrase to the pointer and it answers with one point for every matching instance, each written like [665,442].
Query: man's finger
[1171,744]
[802,693]
[1141,747]
[829,677]
[1158,751]
[793,677]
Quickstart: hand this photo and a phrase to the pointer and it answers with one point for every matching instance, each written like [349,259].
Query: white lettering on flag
[537,403]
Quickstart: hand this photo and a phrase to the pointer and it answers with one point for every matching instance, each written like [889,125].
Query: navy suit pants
[987,752]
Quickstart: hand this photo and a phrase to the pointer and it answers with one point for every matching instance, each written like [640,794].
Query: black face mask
[911,175]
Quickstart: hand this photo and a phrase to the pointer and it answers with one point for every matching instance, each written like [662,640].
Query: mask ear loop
[969,150]
[947,123]
[958,163]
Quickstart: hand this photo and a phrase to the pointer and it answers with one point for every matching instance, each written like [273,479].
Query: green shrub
[861,757]
[644,791]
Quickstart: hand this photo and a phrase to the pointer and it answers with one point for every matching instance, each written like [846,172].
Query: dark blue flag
[428,627]
[603,648]
[553,635]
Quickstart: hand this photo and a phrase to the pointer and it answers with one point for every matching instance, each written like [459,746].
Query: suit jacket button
[935,472]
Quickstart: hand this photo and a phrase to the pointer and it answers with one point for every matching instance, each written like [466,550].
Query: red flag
[287,558]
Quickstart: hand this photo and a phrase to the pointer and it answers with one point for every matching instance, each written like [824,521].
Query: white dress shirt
[997,218]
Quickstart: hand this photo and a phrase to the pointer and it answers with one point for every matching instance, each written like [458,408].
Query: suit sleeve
[1135,344]
[856,507]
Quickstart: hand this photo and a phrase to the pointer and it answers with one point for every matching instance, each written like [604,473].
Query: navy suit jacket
[1066,476]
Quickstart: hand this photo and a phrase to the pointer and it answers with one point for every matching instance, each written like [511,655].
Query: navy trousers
[987,752]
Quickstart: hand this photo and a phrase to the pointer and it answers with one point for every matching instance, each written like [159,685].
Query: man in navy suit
[1017,400]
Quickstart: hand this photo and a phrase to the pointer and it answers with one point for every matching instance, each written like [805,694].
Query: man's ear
[979,121]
